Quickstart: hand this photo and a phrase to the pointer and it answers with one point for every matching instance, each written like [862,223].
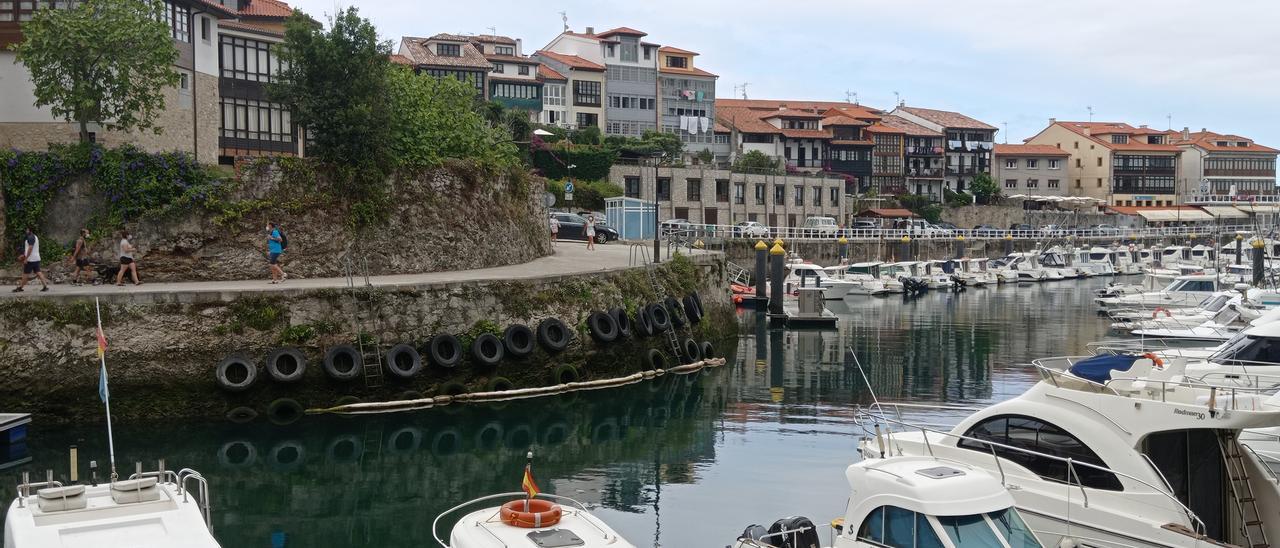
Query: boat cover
[1098,368]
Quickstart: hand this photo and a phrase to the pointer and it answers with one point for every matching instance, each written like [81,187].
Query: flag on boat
[530,488]
[102,371]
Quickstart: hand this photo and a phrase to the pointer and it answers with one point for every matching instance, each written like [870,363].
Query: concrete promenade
[570,258]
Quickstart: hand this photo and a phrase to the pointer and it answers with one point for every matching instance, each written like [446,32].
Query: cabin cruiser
[544,520]
[1182,292]
[1027,268]
[918,272]
[910,501]
[1116,453]
[802,273]
[974,272]
[1128,320]
[1056,264]
[935,274]
[1099,260]
[1229,320]
[1125,261]
[150,509]
[866,276]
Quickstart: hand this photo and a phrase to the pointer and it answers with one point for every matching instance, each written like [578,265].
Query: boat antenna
[875,402]
[103,393]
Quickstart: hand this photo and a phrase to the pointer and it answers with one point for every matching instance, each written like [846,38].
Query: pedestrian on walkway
[591,232]
[127,261]
[80,258]
[276,243]
[30,260]
[555,228]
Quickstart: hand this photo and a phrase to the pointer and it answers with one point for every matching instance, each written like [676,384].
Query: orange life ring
[1154,358]
[530,514]
[1160,309]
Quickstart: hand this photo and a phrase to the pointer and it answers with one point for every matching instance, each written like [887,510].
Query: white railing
[693,232]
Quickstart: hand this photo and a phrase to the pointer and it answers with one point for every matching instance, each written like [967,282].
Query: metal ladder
[370,351]
[737,274]
[1242,492]
[674,341]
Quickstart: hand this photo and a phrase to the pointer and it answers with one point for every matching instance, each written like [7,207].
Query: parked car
[864,224]
[820,227]
[574,227]
[750,229]
[676,227]
[939,230]
[947,226]
[987,231]
[920,228]
[1053,230]
[1104,230]
[1021,227]
[598,216]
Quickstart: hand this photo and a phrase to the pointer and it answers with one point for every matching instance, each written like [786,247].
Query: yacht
[1027,268]
[975,273]
[1183,291]
[156,509]
[1131,319]
[1111,452]
[1229,320]
[910,501]
[1125,261]
[934,273]
[866,276]
[806,274]
[903,271]
[1099,260]
[543,521]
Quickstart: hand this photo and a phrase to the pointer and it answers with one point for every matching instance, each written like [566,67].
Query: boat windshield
[975,531]
[1015,531]
[1248,349]
[1214,304]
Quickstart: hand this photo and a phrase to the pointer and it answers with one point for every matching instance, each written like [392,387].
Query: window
[204,28]
[504,50]
[722,190]
[757,138]
[739,193]
[817,196]
[1099,182]
[256,121]
[647,53]
[1053,183]
[760,193]
[835,197]
[1099,161]
[798,195]
[524,70]
[1033,163]
[177,17]
[184,81]
[587,119]
[1119,139]
[780,195]
[1033,183]
[553,95]
[1053,164]
[1078,163]
[449,50]
[629,53]
[499,68]
[475,77]
[1011,183]
[586,93]
[664,188]
[694,192]
[245,59]
[1078,183]
[1011,163]
[514,91]
[1077,144]
[901,528]
[1034,435]
[631,185]
[677,62]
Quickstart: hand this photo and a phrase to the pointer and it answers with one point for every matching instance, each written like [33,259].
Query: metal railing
[830,233]
[578,506]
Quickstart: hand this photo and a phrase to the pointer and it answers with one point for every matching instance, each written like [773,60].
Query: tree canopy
[102,61]
[754,161]
[984,188]
[435,120]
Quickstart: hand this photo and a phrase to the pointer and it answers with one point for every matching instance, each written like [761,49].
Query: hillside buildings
[968,146]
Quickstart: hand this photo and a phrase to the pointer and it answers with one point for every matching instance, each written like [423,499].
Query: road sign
[568,197]
[549,199]
[568,187]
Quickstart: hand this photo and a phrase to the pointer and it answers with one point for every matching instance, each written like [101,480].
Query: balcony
[851,167]
[969,146]
[1239,173]
[924,151]
[1142,189]
[806,163]
[962,170]
[924,172]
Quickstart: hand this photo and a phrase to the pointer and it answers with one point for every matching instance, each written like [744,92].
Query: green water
[681,462]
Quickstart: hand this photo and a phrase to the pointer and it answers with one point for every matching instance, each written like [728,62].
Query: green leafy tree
[705,156]
[103,61]
[589,135]
[435,120]
[754,161]
[337,83]
[984,188]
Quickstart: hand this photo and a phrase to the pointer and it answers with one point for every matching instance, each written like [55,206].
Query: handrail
[991,444]
[832,233]
[1152,463]
[1261,462]
[436,522]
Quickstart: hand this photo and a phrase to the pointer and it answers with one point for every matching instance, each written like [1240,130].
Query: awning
[1225,212]
[1263,209]
[1174,215]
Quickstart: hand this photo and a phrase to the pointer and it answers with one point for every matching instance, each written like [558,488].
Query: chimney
[519,46]
[1053,121]
[1186,133]
[1142,126]
[591,30]
[1204,130]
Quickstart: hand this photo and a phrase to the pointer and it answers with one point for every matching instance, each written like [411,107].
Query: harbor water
[683,461]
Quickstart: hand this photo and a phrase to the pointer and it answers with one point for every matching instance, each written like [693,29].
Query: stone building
[1037,170]
[968,142]
[720,196]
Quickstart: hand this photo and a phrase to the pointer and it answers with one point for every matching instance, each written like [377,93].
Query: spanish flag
[102,343]
[527,485]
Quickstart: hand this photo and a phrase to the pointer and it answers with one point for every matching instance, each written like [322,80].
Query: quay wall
[163,348]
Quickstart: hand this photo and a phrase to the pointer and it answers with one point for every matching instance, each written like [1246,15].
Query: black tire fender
[564,374]
[499,384]
[236,373]
[403,361]
[286,364]
[692,351]
[553,335]
[691,309]
[603,327]
[487,350]
[676,310]
[708,350]
[623,321]
[444,350]
[653,359]
[644,322]
[661,318]
[230,457]
[342,362]
[518,340]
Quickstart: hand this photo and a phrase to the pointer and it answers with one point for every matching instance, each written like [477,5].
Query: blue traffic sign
[568,187]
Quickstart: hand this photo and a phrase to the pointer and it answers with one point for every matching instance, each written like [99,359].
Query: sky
[1167,63]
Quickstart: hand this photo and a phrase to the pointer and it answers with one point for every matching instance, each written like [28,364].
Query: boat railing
[202,495]
[515,494]
[24,488]
[1073,478]
[1229,395]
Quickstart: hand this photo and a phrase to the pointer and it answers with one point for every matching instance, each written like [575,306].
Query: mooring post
[777,258]
[1008,245]
[762,271]
[904,249]
[844,249]
[960,246]
[1239,251]
[1258,261]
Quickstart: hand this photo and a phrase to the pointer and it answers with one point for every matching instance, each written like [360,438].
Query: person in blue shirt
[275,248]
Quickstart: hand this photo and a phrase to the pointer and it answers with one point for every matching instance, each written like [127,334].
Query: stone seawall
[164,348]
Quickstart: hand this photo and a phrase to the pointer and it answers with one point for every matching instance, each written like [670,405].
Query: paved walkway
[569,258]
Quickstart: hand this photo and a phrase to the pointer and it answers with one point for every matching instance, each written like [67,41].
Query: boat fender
[287,455]
[444,350]
[518,340]
[661,318]
[236,374]
[343,449]
[623,321]
[487,350]
[236,454]
[499,384]
[564,374]
[653,359]
[603,327]
[676,310]
[644,322]
[708,350]
[342,362]
[530,513]
[242,415]
[285,411]
[404,441]
[553,335]
[286,364]
[692,351]
[691,309]
[403,361]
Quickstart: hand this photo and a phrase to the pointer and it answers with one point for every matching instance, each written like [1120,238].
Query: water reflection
[684,461]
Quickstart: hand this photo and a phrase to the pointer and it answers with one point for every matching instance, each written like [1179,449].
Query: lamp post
[657,256]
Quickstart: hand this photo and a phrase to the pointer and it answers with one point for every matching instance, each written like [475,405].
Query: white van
[820,227]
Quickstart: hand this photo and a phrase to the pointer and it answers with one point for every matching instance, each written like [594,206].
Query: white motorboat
[866,276]
[974,272]
[1125,261]
[1099,455]
[935,274]
[1099,260]
[1128,320]
[159,509]
[1055,258]
[545,521]
[1183,291]
[910,501]
[1026,267]
[1230,320]
[806,274]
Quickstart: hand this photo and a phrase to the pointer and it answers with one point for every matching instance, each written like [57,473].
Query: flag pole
[528,473]
[102,388]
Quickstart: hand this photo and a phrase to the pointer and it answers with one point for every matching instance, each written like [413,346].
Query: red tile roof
[621,30]
[1091,131]
[743,119]
[805,133]
[421,54]
[886,212]
[1208,140]
[216,8]
[400,59]
[671,49]
[1029,150]
[686,71]
[247,27]
[510,59]
[494,39]
[854,110]
[946,118]
[788,113]
[908,127]
[267,8]
[842,120]
[880,127]
[721,128]
[548,73]
[574,61]
[845,142]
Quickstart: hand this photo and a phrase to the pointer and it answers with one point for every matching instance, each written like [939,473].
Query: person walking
[127,261]
[80,258]
[30,260]
[555,228]
[591,232]
[275,248]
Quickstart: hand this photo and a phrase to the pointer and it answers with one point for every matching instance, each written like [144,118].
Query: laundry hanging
[706,123]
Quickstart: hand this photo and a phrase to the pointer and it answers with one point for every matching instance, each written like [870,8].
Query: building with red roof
[1217,165]
[1038,170]
[1116,162]
[967,146]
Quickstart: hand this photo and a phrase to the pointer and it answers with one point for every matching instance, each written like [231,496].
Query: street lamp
[657,258]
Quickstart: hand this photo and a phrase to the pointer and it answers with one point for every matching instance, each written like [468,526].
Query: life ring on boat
[487,350]
[553,335]
[1154,359]
[604,328]
[624,322]
[518,340]
[530,513]
[1160,309]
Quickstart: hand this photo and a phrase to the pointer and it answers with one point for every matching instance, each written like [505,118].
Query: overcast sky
[1205,64]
